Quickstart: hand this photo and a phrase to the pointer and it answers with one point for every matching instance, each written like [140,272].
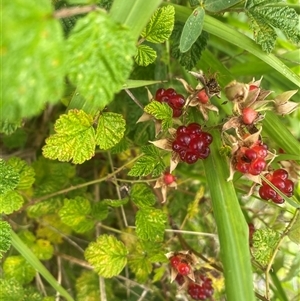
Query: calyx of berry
[164,182]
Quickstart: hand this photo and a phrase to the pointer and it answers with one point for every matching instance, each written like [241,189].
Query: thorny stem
[73,11]
[285,232]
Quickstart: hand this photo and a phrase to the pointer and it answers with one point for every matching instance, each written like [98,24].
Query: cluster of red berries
[174,100]
[201,288]
[252,160]
[201,291]
[279,178]
[191,143]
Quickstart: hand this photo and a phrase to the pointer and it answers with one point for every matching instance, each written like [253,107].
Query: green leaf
[26,172]
[9,127]
[219,5]
[145,55]
[87,286]
[9,177]
[74,138]
[110,130]
[74,214]
[33,44]
[107,255]
[190,58]
[5,237]
[11,290]
[141,266]
[160,26]
[10,201]
[99,211]
[115,203]
[161,111]
[147,165]
[142,195]
[150,224]
[294,233]
[265,18]
[16,267]
[100,58]
[131,83]
[192,29]
[264,242]
[43,249]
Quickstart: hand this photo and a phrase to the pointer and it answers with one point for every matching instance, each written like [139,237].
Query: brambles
[279,178]
[191,143]
[174,100]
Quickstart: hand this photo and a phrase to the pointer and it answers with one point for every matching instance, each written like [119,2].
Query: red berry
[252,87]
[281,174]
[242,166]
[201,291]
[175,261]
[170,92]
[183,268]
[190,157]
[257,166]
[168,178]
[250,154]
[194,128]
[177,113]
[206,138]
[159,94]
[179,279]
[289,188]
[177,101]
[249,115]
[202,96]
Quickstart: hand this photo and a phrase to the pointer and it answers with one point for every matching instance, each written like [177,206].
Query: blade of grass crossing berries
[278,133]
[19,245]
[232,227]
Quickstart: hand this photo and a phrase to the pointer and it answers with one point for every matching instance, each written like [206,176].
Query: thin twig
[134,99]
[73,11]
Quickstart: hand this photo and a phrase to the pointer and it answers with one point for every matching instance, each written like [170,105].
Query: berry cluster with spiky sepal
[279,178]
[191,143]
[202,288]
[174,100]
[251,160]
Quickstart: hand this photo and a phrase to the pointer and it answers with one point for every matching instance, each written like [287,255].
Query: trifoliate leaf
[10,201]
[33,44]
[100,58]
[264,243]
[160,111]
[264,19]
[99,211]
[150,224]
[160,26]
[192,29]
[219,5]
[115,203]
[5,237]
[17,268]
[74,139]
[110,130]
[43,249]
[11,290]
[26,172]
[87,286]
[294,233]
[107,255]
[76,214]
[145,55]
[190,58]
[141,266]
[142,195]
[9,177]
[145,166]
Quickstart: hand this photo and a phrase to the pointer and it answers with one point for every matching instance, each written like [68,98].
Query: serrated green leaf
[74,213]
[32,294]
[9,177]
[87,286]
[150,224]
[5,237]
[107,255]
[264,242]
[46,207]
[142,195]
[9,128]
[11,290]
[219,5]
[192,29]
[265,18]
[190,58]
[120,147]
[145,55]
[26,172]
[158,274]
[100,58]
[99,211]
[143,166]
[294,233]
[16,267]
[110,130]
[141,266]
[33,43]
[115,203]
[160,26]
[74,138]
[10,201]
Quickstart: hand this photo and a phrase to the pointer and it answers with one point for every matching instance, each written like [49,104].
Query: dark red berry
[242,166]
[177,112]
[257,166]
[175,261]
[179,279]
[159,94]
[170,92]
[206,138]
[190,157]
[194,128]
[250,154]
[177,101]
[281,174]
[183,268]
[201,291]
[289,188]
